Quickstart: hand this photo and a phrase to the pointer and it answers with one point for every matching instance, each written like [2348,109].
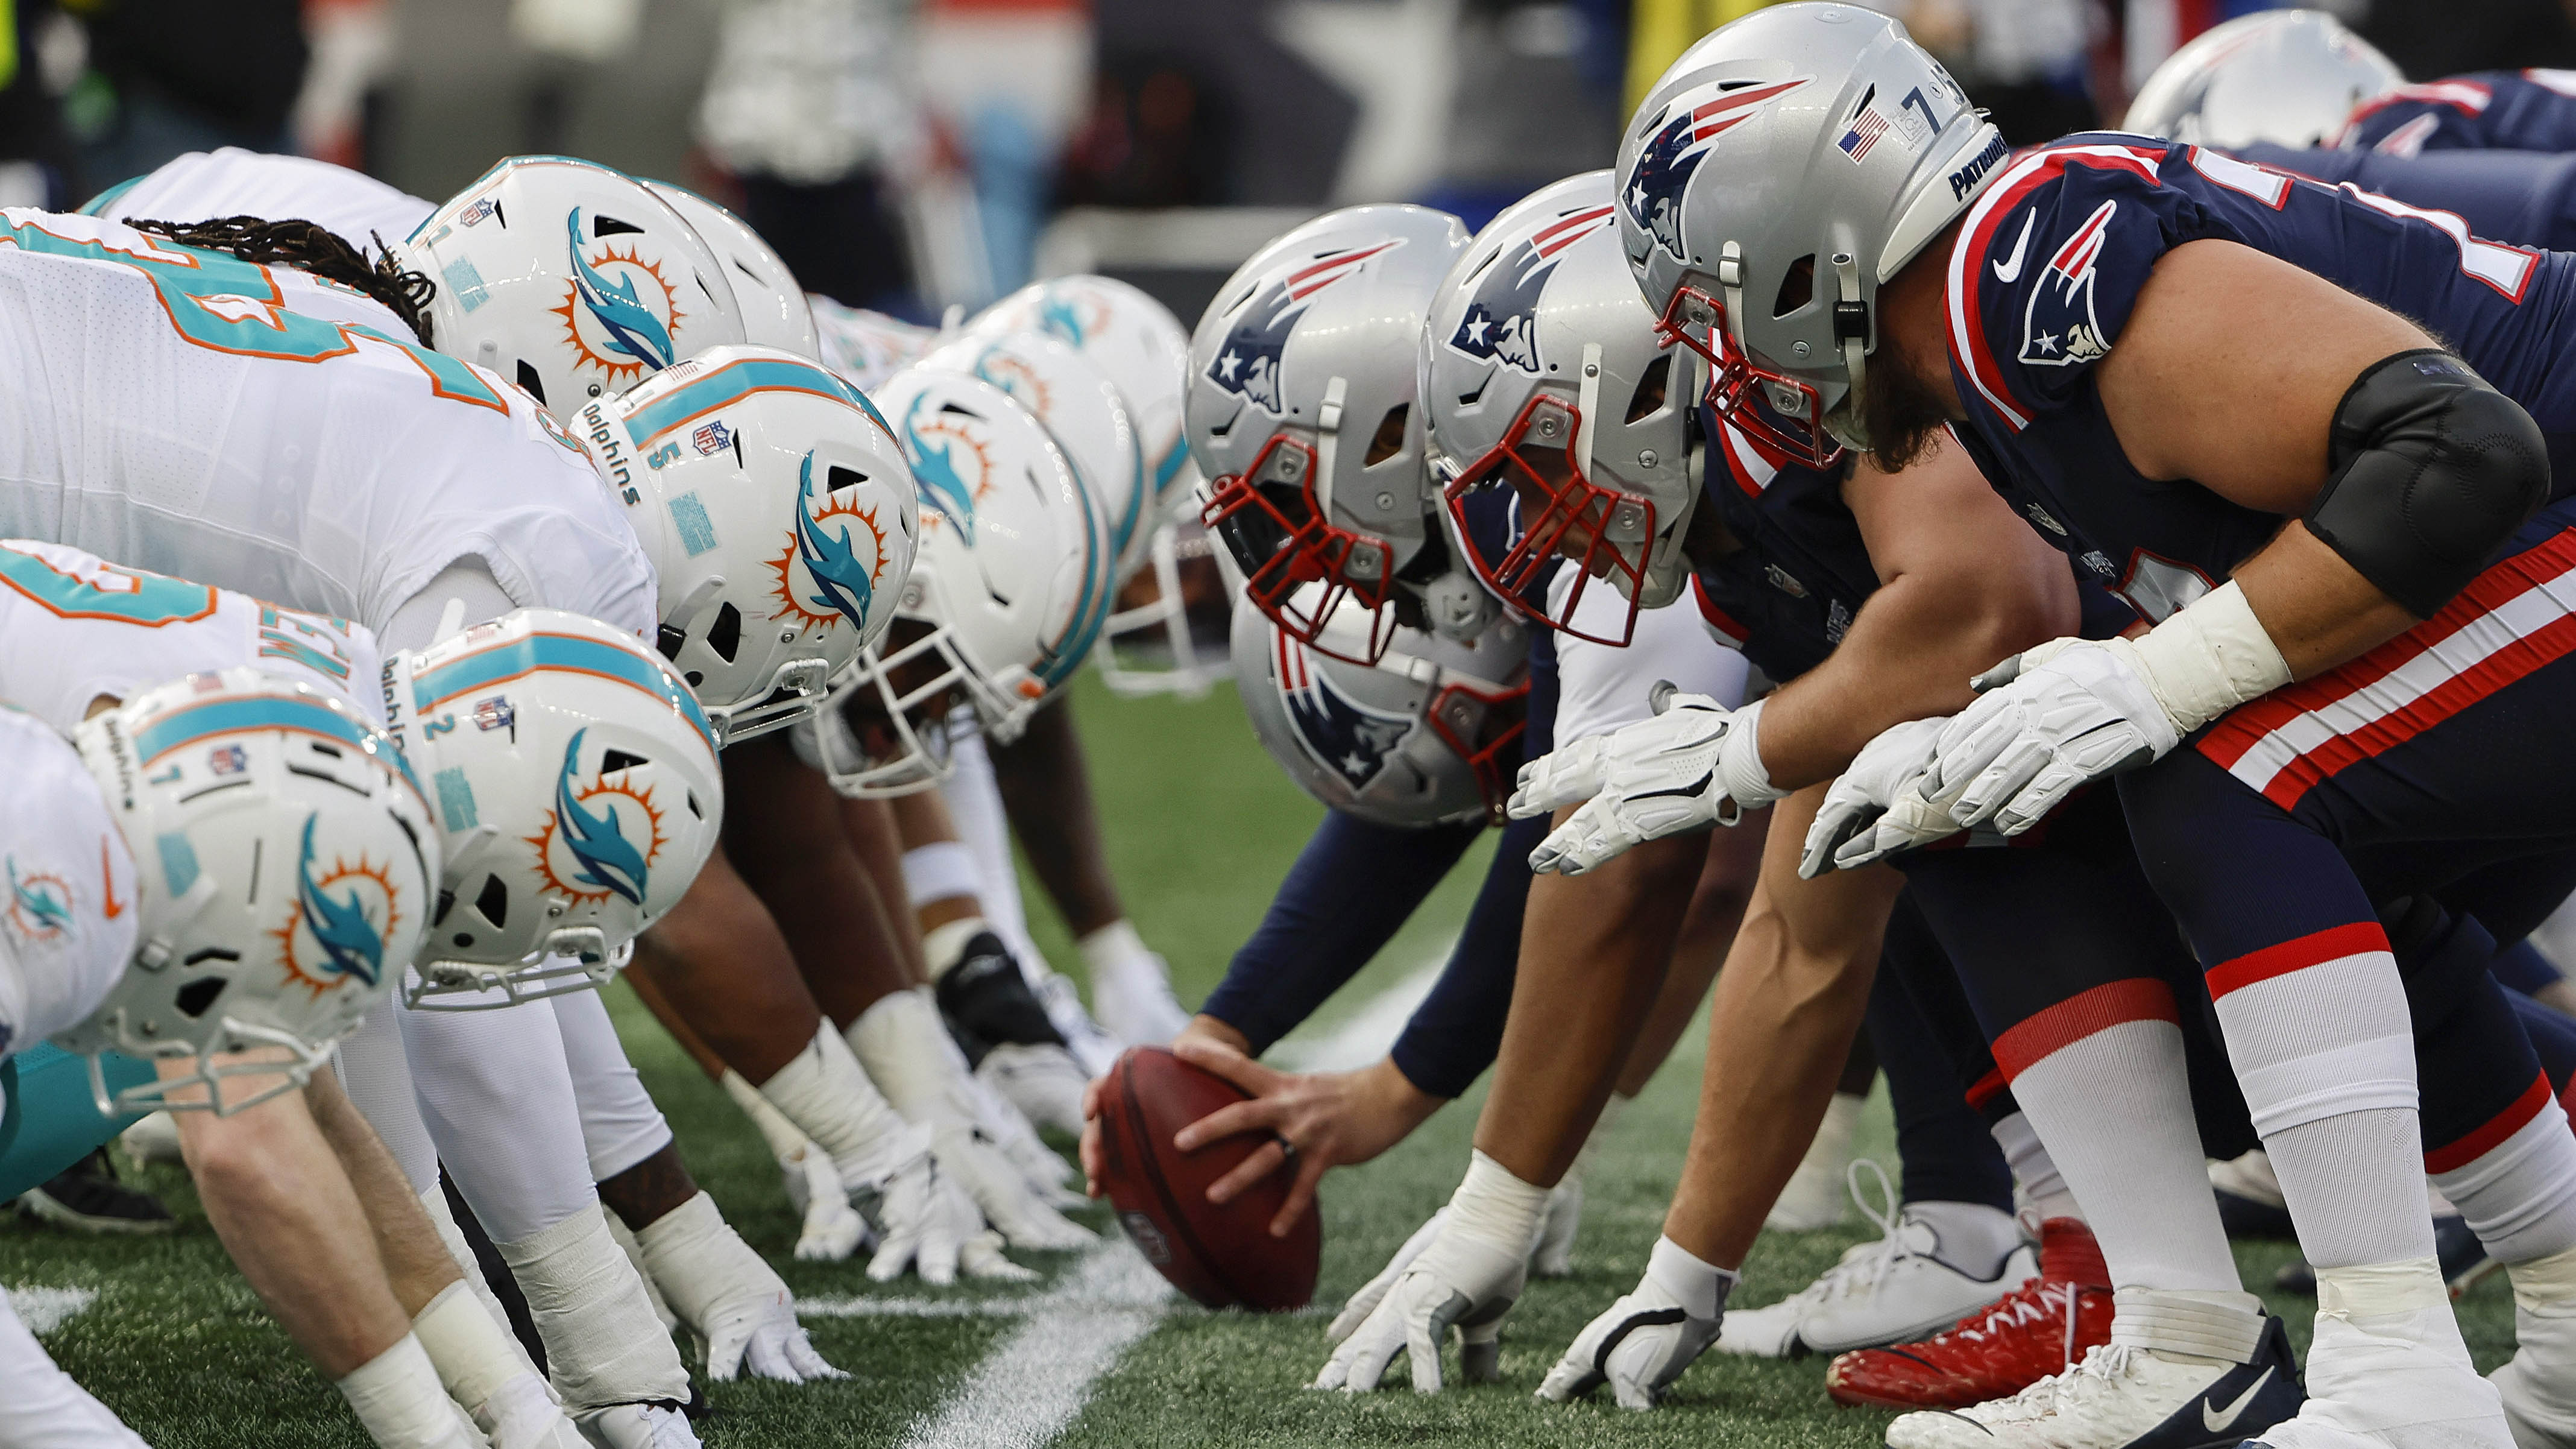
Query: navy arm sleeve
[1458,1029]
[1352,887]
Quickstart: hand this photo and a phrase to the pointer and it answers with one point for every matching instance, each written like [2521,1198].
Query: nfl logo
[228,760]
[712,439]
[479,210]
[494,713]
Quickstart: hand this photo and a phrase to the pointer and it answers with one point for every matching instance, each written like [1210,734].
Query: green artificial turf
[1200,828]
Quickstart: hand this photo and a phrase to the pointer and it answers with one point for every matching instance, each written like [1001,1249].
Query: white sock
[941,870]
[2355,1185]
[1974,1238]
[2035,1170]
[398,1398]
[2519,1196]
[604,1343]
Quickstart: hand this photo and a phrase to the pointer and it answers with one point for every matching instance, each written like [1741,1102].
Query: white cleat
[1043,1082]
[2392,1381]
[1135,1001]
[2122,1397]
[154,1138]
[2539,1385]
[637,1426]
[1890,1291]
[523,1415]
[1094,1048]
[1814,1196]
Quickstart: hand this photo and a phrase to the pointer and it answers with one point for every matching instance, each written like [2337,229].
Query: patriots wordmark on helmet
[2059,328]
[1248,364]
[1690,122]
[620,313]
[342,916]
[1340,733]
[1502,317]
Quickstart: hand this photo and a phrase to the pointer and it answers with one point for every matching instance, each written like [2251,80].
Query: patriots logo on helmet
[1338,732]
[40,904]
[346,943]
[1665,165]
[1502,318]
[1248,364]
[2058,326]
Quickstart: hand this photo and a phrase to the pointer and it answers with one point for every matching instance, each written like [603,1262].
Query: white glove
[736,1305]
[1694,764]
[1552,1255]
[1465,1277]
[1645,1340]
[1003,1193]
[2051,719]
[1044,1169]
[1361,1304]
[523,1414]
[1875,808]
[922,1218]
[832,1229]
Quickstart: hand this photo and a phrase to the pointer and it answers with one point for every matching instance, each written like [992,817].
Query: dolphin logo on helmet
[632,327]
[608,859]
[847,584]
[1248,364]
[1057,317]
[935,471]
[1664,167]
[351,944]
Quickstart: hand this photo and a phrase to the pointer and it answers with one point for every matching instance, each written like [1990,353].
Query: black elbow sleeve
[2429,471]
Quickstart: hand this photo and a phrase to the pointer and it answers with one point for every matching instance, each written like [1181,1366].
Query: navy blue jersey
[2051,259]
[2524,197]
[2488,110]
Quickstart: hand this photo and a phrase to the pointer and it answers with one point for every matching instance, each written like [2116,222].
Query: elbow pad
[2429,471]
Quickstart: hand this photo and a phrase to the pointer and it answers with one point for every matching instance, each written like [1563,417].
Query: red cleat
[2043,1328]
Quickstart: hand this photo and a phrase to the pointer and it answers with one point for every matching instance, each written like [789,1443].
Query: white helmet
[1301,414]
[1427,735]
[577,795]
[1008,593]
[865,347]
[774,310]
[1168,630]
[1779,172]
[571,279]
[1543,377]
[2290,77]
[1083,411]
[1143,348]
[779,516]
[287,863]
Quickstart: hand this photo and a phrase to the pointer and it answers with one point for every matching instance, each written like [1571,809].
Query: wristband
[1739,760]
[1493,1205]
[1698,1286]
[397,1396]
[2207,658]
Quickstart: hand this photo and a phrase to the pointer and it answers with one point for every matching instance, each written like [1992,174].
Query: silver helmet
[2290,77]
[1428,734]
[1300,410]
[1782,169]
[1543,377]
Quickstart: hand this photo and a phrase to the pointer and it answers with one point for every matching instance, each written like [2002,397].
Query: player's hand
[832,1229]
[1095,1159]
[1875,807]
[1465,1277]
[1693,765]
[1645,1340]
[760,1333]
[923,1217]
[1041,1167]
[731,1299]
[2050,720]
[1315,1120]
[1001,1191]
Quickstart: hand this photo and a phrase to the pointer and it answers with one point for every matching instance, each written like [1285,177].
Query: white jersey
[865,347]
[66,918]
[74,627]
[183,412]
[204,185]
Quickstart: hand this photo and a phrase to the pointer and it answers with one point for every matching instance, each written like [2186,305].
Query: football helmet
[1300,412]
[779,516]
[286,865]
[1169,629]
[1543,377]
[571,279]
[1428,734]
[577,795]
[1083,411]
[1005,599]
[774,310]
[1145,351]
[2290,77]
[865,347]
[1779,172]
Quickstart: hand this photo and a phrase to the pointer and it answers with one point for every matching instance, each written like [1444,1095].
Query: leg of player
[46,1410]
[877,837]
[736,1304]
[1818,1195]
[1046,786]
[290,1220]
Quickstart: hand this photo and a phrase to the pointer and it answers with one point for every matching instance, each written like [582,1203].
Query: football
[1221,1256]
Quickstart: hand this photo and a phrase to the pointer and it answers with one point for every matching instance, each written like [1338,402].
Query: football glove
[2051,719]
[1465,1276]
[832,1229]
[1694,764]
[925,1221]
[1645,1340]
[1876,808]
[736,1305]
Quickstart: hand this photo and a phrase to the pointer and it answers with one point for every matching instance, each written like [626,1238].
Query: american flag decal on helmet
[1864,133]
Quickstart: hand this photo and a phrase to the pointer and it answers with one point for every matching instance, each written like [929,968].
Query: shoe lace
[1865,1266]
[2033,1302]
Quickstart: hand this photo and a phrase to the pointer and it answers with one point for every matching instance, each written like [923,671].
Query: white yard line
[1030,1387]
[45,1309]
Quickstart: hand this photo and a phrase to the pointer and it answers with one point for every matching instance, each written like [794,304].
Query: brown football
[1222,1256]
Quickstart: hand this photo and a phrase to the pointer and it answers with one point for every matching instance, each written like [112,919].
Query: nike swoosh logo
[113,907]
[2009,269]
[2217,1421]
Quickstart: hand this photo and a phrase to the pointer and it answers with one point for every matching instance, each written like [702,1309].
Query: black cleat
[87,1198]
[988,1002]
[2246,1400]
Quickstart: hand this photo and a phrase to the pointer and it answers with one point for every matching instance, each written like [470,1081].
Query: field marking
[45,1309]
[1028,1389]
[1370,1031]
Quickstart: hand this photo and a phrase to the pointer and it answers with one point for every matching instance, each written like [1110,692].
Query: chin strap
[1587,403]
[1730,280]
[1851,333]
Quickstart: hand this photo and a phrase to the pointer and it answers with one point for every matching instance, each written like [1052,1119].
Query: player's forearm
[1046,791]
[416,1263]
[1593,952]
[1787,1002]
[2317,610]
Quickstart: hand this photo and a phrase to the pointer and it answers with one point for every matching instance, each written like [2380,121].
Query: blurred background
[912,155]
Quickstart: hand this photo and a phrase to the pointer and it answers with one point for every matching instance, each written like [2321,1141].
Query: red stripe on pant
[1990,1086]
[2334,943]
[2113,1003]
[2452,1156]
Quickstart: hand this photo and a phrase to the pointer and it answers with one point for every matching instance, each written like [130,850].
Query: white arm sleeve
[414,623]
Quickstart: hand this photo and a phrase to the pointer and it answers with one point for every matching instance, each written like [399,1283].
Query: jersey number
[127,596]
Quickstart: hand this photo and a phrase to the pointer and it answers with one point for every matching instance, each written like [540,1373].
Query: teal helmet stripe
[730,384]
[195,723]
[570,653]
[98,205]
[1075,644]
[1170,468]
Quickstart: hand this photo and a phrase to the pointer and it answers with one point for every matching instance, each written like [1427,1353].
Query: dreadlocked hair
[309,247]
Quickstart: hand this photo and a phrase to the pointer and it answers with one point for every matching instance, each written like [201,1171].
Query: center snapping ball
[1222,1256]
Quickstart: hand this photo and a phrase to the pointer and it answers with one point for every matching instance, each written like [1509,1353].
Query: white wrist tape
[2221,1324]
[829,1099]
[910,1056]
[700,1262]
[2375,1288]
[785,1142]
[399,1399]
[2545,1284]
[943,870]
[468,1267]
[474,1355]
[1739,760]
[604,1343]
[2208,658]
[1111,947]
[1496,1207]
[1699,1286]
